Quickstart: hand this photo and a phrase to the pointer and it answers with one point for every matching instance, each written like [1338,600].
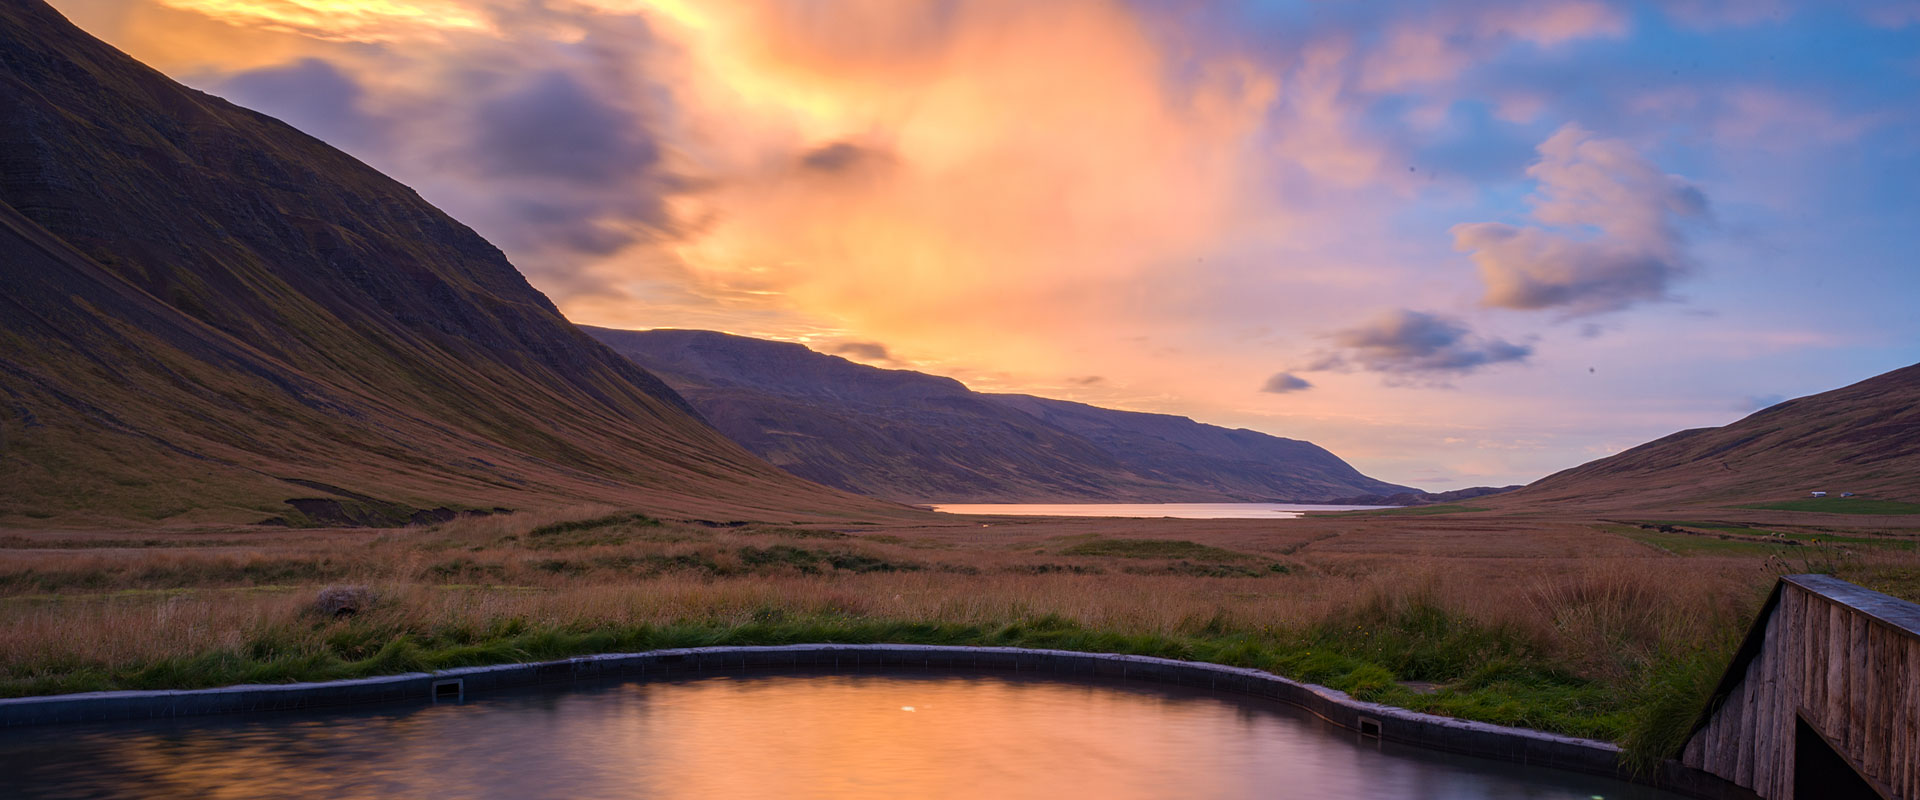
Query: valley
[1605,628]
[267,415]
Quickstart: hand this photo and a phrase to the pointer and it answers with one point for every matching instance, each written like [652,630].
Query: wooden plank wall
[1845,658]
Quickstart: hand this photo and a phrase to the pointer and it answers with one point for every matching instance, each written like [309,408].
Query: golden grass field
[1508,616]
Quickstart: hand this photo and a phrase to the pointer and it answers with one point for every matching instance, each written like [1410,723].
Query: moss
[816,561]
[1150,548]
[1204,570]
[596,523]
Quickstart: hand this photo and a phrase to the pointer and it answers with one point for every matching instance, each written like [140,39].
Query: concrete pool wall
[1388,723]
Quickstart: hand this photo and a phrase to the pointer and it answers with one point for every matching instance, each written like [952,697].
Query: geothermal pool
[797,735]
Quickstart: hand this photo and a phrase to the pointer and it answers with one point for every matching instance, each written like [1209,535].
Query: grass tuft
[596,523]
[1150,548]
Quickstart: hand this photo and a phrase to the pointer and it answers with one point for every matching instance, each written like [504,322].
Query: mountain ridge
[911,436]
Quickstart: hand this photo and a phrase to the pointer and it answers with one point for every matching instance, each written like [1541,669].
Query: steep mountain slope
[208,313]
[1238,462]
[1863,438]
[908,435]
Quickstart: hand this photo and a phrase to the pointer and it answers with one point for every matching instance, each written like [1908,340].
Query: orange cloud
[346,20]
[971,177]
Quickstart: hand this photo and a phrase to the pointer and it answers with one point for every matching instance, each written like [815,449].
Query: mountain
[1863,438]
[1424,498]
[210,316]
[912,436]
[1240,463]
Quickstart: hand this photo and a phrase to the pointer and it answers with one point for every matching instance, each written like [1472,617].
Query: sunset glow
[1438,239]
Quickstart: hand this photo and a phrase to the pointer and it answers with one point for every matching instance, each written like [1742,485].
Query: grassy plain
[1412,511]
[1841,505]
[1607,629]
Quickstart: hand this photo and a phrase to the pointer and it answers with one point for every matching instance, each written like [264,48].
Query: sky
[1458,244]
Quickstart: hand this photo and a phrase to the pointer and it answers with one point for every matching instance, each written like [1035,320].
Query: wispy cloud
[1435,48]
[1416,344]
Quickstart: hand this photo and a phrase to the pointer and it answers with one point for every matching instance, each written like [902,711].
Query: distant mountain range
[210,316]
[911,436]
[1423,498]
[1863,438]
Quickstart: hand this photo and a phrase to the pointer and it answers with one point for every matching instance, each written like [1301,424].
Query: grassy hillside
[210,313]
[1863,438]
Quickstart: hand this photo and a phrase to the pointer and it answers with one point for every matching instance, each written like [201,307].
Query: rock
[343,601]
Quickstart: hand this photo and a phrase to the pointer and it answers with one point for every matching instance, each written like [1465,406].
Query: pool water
[804,736]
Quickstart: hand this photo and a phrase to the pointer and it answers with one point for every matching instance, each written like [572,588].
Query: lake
[1144,510]
[878,735]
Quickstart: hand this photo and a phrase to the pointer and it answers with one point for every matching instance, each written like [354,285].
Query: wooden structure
[1822,700]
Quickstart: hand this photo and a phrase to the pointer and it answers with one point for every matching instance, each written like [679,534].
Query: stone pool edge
[1389,723]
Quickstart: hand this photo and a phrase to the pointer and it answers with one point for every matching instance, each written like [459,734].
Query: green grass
[1682,544]
[1151,548]
[1205,570]
[1840,505]
[1803,537]
[596,523]
[1667,703]
[1717,527]
[815,561]
[1486,673]
[799,533]
[1854,541]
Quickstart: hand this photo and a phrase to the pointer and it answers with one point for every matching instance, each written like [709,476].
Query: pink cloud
[1548,24]
[1519,107]
[1753,115]
[1757,114]
[1439,47]
[1607,236]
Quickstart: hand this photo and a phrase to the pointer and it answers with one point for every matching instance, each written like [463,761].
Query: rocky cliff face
[203,302]
[911,436]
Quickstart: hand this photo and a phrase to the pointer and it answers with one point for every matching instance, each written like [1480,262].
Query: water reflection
[859,736]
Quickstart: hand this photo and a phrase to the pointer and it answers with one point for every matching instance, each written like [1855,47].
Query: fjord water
[1144,510]
[839,736]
